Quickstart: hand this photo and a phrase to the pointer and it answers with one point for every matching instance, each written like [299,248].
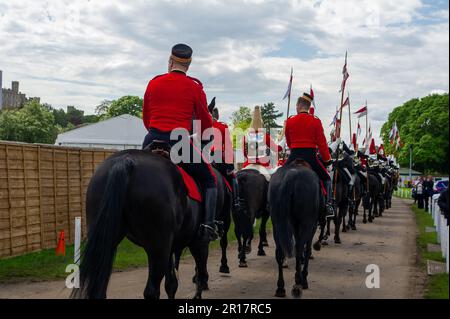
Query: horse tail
[104,233]
[281,210]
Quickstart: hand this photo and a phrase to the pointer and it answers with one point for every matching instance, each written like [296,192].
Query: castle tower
[15,87]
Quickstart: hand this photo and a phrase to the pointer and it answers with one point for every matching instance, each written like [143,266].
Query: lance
[339,125]
[288,108]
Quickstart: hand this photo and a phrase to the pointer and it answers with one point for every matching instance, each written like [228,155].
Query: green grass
[44,265]
[406,192]
[437,285]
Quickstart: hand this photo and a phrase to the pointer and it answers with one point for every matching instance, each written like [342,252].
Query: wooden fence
[42,190]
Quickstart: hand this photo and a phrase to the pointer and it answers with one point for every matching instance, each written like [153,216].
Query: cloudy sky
[80,52]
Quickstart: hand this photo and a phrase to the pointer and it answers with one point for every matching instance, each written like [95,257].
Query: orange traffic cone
[61,247]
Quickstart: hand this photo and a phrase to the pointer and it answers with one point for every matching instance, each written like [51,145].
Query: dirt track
[338,271]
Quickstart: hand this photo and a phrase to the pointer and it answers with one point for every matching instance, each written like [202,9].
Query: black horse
[253,188]
[294,197]
[371,197]
[141,195]
[341,197]
[355,200]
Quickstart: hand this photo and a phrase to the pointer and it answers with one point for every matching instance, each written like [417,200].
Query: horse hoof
[344,229]
[311,257]
[317,246]
[243,264]
[204,286]
[364,221]
[353,227]
[248,250]
[261,253]
[370,220]
[324,243]
[265,243]
[337,240]
[305,285]
[296,292]
[194,279]
[197,296]
[285,264]
[224,269]
[281,293]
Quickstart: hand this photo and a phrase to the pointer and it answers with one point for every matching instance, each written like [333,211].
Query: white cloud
[81,52]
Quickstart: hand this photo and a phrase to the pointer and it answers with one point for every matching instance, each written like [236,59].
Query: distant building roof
[120,130]
[405,172]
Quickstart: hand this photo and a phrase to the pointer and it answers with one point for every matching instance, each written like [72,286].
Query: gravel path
[337,271]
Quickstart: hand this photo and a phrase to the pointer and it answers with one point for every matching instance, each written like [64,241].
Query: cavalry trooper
[223,154]
[304,136]
[171,102]
[259,147]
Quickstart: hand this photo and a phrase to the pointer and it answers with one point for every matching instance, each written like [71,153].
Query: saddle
[302,162]
[162,148]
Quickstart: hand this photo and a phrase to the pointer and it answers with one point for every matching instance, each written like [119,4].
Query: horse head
[346,161]
[213,110]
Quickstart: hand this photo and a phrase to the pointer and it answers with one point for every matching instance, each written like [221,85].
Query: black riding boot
[330,209]
[208,228]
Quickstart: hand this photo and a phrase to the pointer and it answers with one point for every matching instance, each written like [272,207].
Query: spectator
[419,193]
[443,203]
[427,190]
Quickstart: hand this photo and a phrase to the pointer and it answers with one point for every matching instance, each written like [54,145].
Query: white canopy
[121,132]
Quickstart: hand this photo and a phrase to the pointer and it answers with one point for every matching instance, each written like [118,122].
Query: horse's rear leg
[318,244]
[304,282]
[263,234]
[223,245]
[158,266]
[171,282]
[280,292]
[337,226]
[200,253]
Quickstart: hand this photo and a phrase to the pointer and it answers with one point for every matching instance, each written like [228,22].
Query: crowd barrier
[440,222]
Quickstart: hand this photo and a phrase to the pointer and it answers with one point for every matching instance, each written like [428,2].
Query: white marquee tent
[121,132]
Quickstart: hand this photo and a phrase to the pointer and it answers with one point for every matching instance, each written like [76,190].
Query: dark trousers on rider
[226,169]
[310,156]
[201,172]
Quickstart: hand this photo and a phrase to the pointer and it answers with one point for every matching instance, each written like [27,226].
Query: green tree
[90,119]
[423,123]
[74,115]
[34,123]
[102,109]
[269,115]
[242,117]
[60,117]
[125,105]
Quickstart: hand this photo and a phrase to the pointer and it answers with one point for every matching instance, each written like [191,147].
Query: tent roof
[405,171]
[124,129]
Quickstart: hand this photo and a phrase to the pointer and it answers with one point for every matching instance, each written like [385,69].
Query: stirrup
[330,211]
[208,233]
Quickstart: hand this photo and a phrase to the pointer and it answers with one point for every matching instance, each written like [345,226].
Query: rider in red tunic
[304,136]
[171,102]
[223,153]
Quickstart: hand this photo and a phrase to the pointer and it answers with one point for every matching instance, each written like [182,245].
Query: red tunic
[172,101]
[270,143]
[223,142]
[305,131]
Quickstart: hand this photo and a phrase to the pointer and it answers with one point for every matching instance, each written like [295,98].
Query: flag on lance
[358,131]
[334,119]
[288,91]
[361,112]
[311,92]
[345,74]
[346,102]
